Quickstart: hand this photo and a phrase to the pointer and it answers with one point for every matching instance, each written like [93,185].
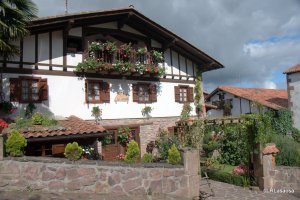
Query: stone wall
[270,176]
[284,177]
[60,175]
[293,87]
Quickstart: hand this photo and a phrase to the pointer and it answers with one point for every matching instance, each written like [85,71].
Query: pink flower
[240,169]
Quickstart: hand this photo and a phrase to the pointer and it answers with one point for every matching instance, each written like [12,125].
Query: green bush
[174,157]
[234,145]
[73,151]
[132,153]
[37,118]
[288,148]
[15,144]
[228,178]
[147,158]
[164,143]
[296,134]
[298,158]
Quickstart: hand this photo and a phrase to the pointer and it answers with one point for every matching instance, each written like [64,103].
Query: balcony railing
[108,58]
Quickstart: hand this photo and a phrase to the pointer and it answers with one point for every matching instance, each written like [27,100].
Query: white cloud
[269,85]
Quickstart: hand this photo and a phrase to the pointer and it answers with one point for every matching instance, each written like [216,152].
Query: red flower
[3,124]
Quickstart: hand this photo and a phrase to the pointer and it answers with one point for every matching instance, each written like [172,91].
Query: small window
[28,89]
[184,94]
[74,44]
[97,91]
[144,93]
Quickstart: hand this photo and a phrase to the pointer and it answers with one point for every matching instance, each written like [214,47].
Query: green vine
[198,91]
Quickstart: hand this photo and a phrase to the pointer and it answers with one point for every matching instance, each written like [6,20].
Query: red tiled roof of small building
[272,98]
[70,126]
[270,149]
[293,69]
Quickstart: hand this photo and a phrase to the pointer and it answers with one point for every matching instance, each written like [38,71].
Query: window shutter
[153,92]
[190,94]
[177,94]
[135,96]
[86,91]
[104,92]
[15,89]
[43,90]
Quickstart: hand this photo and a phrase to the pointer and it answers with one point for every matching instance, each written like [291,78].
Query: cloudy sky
[256,40]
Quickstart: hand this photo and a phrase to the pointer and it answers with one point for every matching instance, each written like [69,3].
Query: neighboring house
[120,83]
[234,101]
[293,87]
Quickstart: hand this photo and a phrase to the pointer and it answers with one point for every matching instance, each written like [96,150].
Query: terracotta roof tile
[293,69]
[270,148]
[275,99]
[71,126]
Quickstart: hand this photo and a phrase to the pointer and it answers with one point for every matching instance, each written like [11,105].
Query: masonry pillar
[191,162]
[1,147]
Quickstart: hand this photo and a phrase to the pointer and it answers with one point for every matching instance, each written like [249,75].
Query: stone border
[91,162]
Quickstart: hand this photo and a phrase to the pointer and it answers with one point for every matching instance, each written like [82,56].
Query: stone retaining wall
[284,177]
[96,177]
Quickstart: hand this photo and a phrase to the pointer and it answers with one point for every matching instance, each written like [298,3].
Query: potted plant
[146,111]
[97,113]
[124,136]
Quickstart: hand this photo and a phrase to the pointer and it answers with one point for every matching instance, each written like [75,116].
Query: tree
[14,18]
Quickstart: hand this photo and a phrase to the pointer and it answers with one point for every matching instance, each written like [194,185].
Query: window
[97,91]
[28,89]
[144,93]
[74,44]
[184,94]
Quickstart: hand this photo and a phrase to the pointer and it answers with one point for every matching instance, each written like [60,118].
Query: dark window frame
[93,82]
[29,80]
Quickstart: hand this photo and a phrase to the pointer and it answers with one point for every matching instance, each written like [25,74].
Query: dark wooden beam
[68,137]
[123,21]
[36,60]
[168,44]
[90,75]
[171,58]
[50,50]
[21,53]
[65,37]
[179,65]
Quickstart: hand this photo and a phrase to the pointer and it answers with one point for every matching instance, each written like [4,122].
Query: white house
[120,71]
[234,101]
[293,88]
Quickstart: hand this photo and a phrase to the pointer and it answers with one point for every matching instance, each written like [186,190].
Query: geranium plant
[146,111]
[124,136]
[97,113]
[7,107]
[240,169]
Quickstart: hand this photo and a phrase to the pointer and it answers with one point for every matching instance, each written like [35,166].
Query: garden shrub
[147,158]
[174,157]
[288,149]
[228,178]
[164,143]
[15,144]
[132,153]
[37,118]
[73,151]
[234,146]
[298,158]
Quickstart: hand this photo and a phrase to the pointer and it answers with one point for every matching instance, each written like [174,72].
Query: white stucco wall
[67,97]
[294,97]
[239,106]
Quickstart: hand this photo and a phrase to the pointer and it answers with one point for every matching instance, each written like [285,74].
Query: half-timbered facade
[47,72]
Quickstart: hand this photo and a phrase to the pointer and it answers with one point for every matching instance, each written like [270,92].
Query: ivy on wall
[198,91]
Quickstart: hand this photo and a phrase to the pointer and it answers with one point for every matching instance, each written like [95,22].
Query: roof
[70,126]
[293,69]
[134,19]
[272,98]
